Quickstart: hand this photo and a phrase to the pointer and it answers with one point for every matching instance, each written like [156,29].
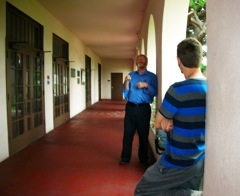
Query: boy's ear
[180,65]
[179,61]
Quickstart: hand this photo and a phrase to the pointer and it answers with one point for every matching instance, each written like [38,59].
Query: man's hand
[142,85]
[127,78]
[126,82]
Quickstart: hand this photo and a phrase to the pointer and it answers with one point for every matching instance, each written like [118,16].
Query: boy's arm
[163,123]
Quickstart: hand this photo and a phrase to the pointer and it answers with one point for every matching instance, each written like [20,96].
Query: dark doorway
[99,81]
[88,81]
[116,86]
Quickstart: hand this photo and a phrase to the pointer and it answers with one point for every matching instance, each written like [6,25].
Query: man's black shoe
[123,162]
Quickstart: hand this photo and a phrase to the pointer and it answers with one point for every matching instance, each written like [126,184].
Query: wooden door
[116,86]
[25,98]
[60,81]
[60,91]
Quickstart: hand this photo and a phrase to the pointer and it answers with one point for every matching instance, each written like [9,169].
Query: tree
[196,25]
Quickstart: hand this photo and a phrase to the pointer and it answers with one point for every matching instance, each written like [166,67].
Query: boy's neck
[193,73]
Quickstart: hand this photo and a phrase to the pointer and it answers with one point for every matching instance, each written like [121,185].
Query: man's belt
[139,104]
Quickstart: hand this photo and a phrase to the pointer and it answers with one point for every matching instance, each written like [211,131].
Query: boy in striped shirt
[182,115]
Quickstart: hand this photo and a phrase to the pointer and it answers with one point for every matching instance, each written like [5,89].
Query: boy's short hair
[190,52]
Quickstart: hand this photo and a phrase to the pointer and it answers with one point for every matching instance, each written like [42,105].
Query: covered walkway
[79,157]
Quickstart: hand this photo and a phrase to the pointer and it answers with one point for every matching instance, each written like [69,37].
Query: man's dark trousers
[137,117]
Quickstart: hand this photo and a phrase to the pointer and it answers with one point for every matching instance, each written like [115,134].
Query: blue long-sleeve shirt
[141,95]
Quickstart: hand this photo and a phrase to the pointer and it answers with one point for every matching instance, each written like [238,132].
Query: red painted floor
[78,158]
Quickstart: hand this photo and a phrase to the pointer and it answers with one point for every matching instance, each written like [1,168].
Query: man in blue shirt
[182,115]
[139,89]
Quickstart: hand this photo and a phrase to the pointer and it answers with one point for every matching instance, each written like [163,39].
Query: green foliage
[203,68]
[153,114]
[197,4]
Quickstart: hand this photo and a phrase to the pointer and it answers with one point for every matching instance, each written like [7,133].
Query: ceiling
[108,27]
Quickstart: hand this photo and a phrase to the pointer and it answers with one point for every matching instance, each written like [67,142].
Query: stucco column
[222,170]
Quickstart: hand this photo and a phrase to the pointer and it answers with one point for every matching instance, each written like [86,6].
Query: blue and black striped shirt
[185,104]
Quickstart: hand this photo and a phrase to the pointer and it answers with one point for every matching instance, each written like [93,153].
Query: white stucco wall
[77,52]
[4,153]
[222,171]
[113,66]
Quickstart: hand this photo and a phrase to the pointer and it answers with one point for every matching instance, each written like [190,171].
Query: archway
[151,45]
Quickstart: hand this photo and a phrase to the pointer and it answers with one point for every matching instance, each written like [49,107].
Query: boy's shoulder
[190,81]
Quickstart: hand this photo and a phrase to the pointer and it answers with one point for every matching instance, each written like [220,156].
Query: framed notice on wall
[73,73]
